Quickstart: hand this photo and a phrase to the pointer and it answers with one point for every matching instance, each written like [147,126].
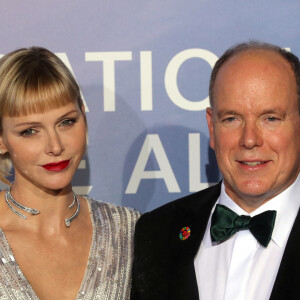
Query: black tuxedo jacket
[163,266]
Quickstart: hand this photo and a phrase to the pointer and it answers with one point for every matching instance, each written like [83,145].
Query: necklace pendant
[34,211]
[67,222]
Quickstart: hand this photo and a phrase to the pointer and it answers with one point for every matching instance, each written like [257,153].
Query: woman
[53,244]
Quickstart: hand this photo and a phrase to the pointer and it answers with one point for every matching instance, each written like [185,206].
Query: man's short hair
[255,45]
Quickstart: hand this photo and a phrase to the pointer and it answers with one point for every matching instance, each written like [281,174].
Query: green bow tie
[225,223]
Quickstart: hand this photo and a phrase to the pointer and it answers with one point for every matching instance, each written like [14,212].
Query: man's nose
[251,135]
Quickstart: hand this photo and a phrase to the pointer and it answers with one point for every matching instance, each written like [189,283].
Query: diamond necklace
[11,201]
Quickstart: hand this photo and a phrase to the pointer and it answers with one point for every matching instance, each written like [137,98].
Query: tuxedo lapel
[193,214]
[163,265]
[287,282]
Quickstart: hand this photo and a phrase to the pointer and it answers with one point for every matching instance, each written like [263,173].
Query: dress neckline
[11,259]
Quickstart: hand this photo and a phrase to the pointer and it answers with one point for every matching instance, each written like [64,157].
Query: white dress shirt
[240,268]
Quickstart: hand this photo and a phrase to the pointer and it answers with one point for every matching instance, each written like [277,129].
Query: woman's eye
[67,122]
[27,132]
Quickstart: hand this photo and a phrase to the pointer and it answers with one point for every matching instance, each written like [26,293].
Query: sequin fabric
[108,272]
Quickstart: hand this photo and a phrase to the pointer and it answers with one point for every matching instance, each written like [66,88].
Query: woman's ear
[83,108]
[3,148]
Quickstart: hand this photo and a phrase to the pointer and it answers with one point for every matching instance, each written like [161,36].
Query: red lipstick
[55,167]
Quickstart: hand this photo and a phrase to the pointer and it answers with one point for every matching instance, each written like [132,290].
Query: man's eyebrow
[274,111]
[225,112]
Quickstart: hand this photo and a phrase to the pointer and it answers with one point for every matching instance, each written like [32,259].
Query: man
[206,245]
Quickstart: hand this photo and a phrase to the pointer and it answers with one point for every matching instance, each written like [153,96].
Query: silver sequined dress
[108,273]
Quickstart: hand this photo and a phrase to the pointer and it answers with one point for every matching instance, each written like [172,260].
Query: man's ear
[210,124]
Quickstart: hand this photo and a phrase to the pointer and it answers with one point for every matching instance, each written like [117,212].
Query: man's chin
[254,194]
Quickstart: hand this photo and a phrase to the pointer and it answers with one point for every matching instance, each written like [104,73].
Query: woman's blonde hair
[33,80]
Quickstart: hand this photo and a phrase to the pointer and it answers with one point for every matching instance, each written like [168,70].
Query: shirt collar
[286,204]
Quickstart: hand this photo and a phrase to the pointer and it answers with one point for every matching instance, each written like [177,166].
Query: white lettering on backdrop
[171,78]
[108,59]
[153,144]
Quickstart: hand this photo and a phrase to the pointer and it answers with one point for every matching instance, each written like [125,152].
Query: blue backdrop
[143,68]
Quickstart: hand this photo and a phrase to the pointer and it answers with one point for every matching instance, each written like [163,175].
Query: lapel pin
[185,233]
